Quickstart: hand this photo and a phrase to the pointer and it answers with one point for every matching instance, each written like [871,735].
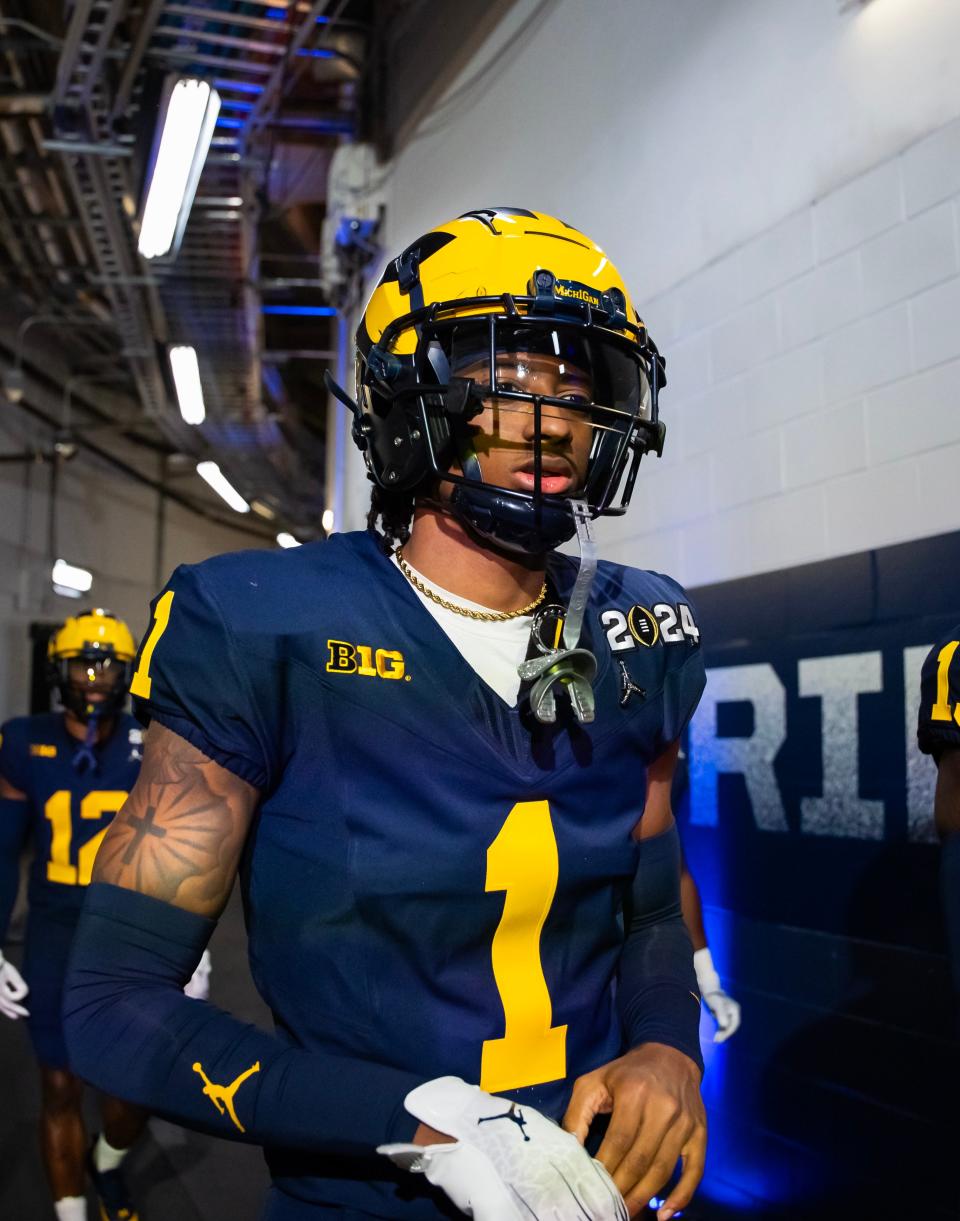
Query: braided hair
[394,512]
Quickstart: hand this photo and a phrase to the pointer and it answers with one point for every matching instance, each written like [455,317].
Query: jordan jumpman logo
[222,1095]
[627,686]
[515,1115]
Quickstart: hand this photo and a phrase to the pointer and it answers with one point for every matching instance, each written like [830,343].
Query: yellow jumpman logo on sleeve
[222,1095]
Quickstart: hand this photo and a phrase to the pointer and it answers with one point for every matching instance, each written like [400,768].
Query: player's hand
[725,1012]
[507,1162]
[652,1095]
[197,986]
[13,988]
[723,1008]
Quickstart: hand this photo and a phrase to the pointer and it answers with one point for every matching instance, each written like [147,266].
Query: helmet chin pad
[512,520]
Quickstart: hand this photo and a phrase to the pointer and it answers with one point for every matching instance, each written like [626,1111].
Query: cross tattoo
[145,827]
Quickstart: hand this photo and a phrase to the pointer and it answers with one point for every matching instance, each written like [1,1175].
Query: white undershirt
[494,650]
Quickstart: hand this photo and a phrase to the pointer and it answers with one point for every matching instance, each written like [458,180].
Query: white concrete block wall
[780,185]
[828,395]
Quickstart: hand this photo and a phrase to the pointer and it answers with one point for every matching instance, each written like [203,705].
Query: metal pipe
[135,58]
[220,40]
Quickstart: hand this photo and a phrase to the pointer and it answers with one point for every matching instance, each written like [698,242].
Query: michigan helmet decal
[493,282]
[105,649]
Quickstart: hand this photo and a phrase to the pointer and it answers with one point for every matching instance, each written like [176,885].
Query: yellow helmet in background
[497,281]
[106,646]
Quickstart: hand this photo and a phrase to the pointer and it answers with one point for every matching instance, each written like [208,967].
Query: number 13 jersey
[434,879]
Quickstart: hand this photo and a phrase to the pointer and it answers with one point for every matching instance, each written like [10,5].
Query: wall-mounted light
[287,540]
[327,521]
[70,581]
[210,472]
[188,114]
[186,381]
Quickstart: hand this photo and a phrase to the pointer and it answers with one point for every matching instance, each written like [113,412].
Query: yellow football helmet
[493,282]
[105,646]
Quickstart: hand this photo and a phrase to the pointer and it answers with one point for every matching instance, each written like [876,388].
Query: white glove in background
[509,1162]
[13,988]
[723,1008]
[197,986]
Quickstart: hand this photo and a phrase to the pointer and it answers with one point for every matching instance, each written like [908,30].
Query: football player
[724,1010]
[938,734]
[63,776]
[429,744]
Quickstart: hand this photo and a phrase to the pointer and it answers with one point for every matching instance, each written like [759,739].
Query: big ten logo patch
[363,659]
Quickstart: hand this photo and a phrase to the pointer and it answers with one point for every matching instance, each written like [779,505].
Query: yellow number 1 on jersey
[523,861]
[941,709]
[141,682]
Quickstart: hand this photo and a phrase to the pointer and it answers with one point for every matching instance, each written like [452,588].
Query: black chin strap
[574,668]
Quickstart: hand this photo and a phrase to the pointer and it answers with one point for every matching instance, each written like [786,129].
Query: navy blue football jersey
[938,722]
[70,810]
[435,879]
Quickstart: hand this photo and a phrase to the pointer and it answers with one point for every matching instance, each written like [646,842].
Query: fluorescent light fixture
[70,580]
[287,540]
[327,520]
[186,380]
[222,486]
[262,510]
[186,128]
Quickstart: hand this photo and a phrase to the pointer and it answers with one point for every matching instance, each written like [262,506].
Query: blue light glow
[301,311]
[239,86]
[232,124]
[276,14]
[316,53]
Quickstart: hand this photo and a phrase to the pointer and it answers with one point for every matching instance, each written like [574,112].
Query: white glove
[723,1008]
[508,1162]
[13,988]
[197,986]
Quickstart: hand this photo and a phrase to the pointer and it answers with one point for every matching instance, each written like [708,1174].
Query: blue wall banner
[807,822]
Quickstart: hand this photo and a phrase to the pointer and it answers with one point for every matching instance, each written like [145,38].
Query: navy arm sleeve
[657,993]
[938,721]
[131,1032]
[14,820]
[14,747]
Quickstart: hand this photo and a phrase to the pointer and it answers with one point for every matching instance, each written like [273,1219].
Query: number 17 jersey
[434,879]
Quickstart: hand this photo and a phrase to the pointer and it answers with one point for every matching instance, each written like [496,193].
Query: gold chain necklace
[486,616]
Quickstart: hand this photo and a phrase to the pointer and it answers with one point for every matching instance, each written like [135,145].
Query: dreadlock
[394,512]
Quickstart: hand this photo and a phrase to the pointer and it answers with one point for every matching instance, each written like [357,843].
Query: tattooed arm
[180,833]
[163,874]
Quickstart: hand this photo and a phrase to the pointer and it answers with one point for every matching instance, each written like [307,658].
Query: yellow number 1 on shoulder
[141,682]
[941,709]
[523,861]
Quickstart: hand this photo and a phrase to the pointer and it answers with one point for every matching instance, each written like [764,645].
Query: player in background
[430,744]
[938,734]
[63,777]
[724,1010]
